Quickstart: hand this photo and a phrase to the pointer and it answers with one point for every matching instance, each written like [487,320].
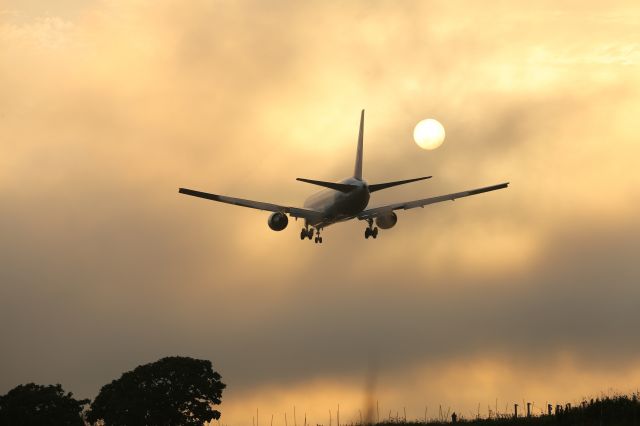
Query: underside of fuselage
[336,206]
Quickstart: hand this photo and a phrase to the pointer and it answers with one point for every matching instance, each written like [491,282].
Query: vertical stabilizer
[357,172]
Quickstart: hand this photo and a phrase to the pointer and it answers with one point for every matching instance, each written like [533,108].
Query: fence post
[515,411]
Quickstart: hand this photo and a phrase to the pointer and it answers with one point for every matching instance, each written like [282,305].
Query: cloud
[109,108]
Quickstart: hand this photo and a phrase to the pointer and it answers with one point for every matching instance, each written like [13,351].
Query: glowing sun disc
[429,134]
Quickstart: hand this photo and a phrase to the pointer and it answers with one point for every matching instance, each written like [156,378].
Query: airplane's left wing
[259,205]
[381,211]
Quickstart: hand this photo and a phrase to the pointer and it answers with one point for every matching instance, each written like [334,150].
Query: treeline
[178,391]
[172,391]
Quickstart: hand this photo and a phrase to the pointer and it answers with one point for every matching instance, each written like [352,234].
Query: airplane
[341,201]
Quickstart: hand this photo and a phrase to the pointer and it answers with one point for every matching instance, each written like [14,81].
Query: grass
[617,410]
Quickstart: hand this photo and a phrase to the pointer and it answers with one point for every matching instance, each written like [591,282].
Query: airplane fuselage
[338,206]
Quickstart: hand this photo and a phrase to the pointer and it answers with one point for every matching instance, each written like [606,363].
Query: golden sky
[107,107]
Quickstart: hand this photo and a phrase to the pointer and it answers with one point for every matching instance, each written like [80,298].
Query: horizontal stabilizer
[379,186]
[342,187]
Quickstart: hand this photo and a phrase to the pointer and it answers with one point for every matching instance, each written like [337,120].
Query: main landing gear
[309,233]
[371,231]
[306,233]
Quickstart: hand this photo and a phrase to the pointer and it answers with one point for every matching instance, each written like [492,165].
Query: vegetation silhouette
[169,392]
[182,391]
[617,410]
[38,405]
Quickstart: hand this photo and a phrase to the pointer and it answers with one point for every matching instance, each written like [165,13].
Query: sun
[429,134]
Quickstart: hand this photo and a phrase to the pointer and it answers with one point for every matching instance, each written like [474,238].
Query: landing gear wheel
[320,240]
[370,231]
[306,233]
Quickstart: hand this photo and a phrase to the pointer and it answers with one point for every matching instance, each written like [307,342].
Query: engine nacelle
[387,221]
[278,221]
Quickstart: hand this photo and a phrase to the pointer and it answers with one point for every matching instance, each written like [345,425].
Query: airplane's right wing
[259,205]
[381,211]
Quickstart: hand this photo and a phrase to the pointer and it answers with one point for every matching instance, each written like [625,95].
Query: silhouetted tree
[168,392]
[38,405]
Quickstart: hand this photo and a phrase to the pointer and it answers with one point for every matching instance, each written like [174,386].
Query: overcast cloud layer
[107,107]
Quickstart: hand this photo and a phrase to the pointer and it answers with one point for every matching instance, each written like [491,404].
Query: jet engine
[278,221]
[387,221]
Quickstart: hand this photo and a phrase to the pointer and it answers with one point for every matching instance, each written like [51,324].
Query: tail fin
[357,172]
